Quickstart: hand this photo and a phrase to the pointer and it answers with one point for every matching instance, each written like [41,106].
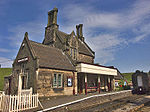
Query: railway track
[113,105]
[144,108]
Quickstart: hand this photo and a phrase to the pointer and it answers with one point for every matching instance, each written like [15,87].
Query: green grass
[4,72]
[128,76]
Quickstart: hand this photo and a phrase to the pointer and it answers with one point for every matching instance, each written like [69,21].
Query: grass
[4,72]
[128,76]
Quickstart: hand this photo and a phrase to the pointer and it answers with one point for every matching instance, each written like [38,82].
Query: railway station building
[63,64]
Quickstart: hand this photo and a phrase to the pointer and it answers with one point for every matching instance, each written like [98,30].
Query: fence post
[10,100]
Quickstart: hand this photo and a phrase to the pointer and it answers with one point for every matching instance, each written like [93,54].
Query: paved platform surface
[58,100]
[54,101]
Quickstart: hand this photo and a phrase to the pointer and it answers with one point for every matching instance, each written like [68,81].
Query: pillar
[105,83]
[20,83]
[113,81]
[99,83]
[86,84]
[108,83]
[75,83]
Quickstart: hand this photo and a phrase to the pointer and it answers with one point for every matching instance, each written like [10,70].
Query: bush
[126,87]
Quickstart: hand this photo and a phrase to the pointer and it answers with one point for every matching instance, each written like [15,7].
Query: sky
[117,30]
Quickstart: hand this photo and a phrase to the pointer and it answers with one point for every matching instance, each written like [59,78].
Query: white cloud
[104,45]
[107,20]
[139,38]
[35,31]
[4,50]
[5,62]
[133,19]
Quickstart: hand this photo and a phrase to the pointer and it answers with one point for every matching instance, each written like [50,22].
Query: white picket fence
[15,103]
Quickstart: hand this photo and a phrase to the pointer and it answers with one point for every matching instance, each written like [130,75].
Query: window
[73,53]
[57,81]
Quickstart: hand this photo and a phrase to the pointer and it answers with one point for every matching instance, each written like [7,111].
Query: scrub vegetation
[128,76]
[4,72]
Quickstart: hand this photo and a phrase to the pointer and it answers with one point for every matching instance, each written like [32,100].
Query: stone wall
[85,58]
[30,65]
[45,83]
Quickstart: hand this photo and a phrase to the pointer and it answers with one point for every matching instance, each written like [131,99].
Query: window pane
[71,52]
[74,53]
[59,80]
[55,80]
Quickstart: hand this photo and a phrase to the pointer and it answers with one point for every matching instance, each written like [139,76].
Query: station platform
[54,102]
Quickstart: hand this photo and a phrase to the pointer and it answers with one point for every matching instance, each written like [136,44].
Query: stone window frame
[56,84]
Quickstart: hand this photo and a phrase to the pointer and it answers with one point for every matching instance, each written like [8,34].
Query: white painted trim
[93,69]
[99,79]
[58,106]
[85,77]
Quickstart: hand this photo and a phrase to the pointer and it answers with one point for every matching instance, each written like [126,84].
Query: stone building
[63,64]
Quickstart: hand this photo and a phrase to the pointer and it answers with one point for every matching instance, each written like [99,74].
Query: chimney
[80,32]
[52,18]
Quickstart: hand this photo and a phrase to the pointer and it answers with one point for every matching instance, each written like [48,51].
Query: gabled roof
[50,57]
[83,47]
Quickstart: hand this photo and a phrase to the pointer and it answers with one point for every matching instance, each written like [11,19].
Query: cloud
[103,30]
[105,45]
[5,62]
[35,31]
[106,32]
[4,50]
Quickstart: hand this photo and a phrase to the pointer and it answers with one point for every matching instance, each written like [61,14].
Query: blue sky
[117,30]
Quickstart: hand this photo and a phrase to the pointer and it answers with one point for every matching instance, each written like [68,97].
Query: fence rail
[17,103]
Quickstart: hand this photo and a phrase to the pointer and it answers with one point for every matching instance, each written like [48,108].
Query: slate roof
[83,47]
[50,57]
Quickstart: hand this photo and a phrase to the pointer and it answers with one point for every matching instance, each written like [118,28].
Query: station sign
[22,60]
[69,81]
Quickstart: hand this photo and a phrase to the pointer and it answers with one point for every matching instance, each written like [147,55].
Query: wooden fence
[17,103]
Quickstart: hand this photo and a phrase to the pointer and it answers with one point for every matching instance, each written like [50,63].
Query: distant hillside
[128,76]
[4,72]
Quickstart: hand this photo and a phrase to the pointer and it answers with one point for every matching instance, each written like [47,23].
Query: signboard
[23,60]
[125,83]
[69,82]
[116,84]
